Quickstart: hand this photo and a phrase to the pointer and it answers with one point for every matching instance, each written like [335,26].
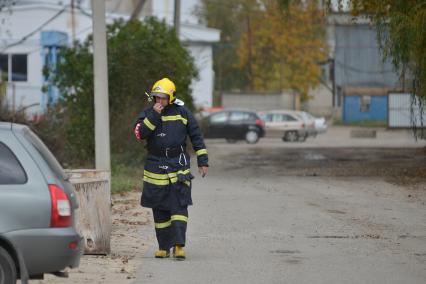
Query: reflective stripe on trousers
[170,227]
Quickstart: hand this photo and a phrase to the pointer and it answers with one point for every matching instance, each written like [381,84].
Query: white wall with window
[22,57]
[21,52]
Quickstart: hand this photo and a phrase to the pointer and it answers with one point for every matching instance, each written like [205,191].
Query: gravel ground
[331,210]
[127,246]
[261,216]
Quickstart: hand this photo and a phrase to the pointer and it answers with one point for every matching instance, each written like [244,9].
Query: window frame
[5,146]
[9,75]
[6,75]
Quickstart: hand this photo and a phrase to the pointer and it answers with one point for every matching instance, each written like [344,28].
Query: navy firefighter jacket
[167,177]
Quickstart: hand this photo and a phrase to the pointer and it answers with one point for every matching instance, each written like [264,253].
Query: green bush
[139,53]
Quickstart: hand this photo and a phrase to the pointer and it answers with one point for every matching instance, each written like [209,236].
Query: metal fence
[404,111]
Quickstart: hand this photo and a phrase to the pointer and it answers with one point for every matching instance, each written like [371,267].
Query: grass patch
[125,178]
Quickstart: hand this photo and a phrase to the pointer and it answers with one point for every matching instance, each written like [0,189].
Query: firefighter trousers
[170,227]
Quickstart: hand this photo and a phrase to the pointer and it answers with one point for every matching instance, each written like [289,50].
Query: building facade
[32,33]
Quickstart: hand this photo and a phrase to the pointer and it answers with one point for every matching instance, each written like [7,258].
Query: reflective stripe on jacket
[167,181]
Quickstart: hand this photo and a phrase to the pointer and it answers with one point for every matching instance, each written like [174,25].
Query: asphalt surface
[283,213]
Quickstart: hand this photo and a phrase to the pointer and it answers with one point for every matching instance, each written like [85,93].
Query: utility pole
[176,19]
[73,21]
[137,10]
[100,68]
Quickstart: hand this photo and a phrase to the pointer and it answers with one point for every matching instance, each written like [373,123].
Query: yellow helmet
[164,87]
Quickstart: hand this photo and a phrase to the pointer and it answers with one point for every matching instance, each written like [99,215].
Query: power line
[354,69]
[23,39]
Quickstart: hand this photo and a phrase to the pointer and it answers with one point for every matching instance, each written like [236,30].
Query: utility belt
[171,152]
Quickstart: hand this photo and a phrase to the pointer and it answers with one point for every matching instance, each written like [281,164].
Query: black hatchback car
[234,125]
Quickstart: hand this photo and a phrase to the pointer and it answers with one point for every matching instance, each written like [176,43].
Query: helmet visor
[160,95]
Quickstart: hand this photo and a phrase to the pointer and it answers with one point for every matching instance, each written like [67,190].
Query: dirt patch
[127,247]
[402,166]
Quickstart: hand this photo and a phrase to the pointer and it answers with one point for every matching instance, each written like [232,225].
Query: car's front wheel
[291,136]
[7,268]
[252,137]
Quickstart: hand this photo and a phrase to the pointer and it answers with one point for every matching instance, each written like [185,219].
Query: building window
[18,71]
[4,67]
[365,103]
[19,68]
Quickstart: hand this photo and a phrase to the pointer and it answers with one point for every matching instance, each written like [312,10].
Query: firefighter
[167,177]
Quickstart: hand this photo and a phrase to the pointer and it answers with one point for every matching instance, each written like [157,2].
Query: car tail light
[260,122]
[61,208]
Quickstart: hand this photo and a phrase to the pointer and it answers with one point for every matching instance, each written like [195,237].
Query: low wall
[93,217]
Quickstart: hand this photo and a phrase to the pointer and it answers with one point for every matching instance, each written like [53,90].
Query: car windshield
[265,117]
[308,115]
[54,165]
[301,116]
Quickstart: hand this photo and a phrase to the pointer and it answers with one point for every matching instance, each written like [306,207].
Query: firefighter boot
[162,253]
[178,252]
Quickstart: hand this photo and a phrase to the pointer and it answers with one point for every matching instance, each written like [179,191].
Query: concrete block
[363,133]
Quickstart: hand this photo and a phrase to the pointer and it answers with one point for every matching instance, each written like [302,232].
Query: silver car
[37,204]
[287,124]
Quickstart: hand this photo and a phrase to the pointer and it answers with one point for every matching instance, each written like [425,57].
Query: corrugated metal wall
[358,61]
[400,111]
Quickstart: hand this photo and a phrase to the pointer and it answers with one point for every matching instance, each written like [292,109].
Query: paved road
[252,224]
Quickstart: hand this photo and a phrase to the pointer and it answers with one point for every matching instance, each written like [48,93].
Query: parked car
[287,124]
[234,125]
[320,125]
[317,125]
[309,121]
[37,205]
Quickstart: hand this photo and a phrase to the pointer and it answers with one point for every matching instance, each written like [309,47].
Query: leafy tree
[139,53]
[226,16]
[272,44]
[283,45]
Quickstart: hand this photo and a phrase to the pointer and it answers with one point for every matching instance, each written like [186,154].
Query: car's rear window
[241,116]
[11,170]
[54,165]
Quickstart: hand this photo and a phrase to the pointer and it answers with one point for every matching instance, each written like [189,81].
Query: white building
[32,29]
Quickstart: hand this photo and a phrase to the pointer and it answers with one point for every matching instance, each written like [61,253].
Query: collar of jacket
[168,107]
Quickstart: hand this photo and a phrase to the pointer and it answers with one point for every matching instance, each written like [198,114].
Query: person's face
[163,101]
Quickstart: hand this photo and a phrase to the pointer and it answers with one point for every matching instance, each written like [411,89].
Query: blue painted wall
[352,109]
[51,41]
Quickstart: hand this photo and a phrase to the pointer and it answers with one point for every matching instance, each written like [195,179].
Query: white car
[320,125]
[309,122]
[316,125]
